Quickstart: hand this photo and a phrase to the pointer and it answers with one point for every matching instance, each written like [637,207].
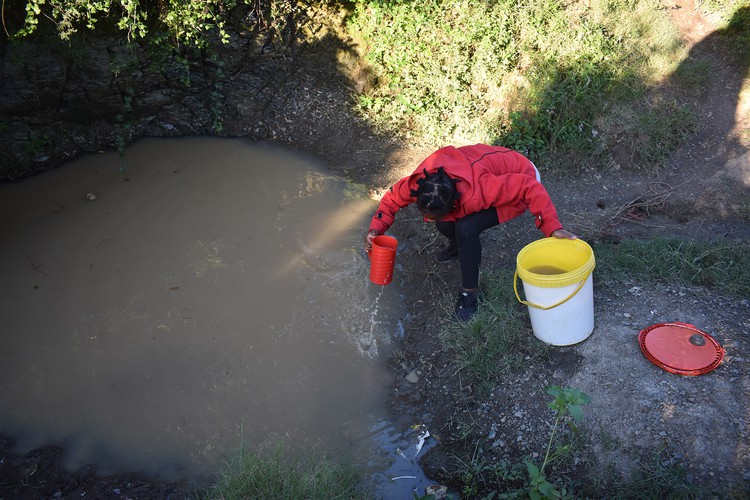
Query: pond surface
[218,298]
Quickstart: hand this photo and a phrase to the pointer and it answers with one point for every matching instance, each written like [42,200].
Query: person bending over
[465,190]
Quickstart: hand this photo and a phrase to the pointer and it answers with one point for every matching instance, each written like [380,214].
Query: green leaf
[548,490]
[576,411]
[533,470]
[554,390]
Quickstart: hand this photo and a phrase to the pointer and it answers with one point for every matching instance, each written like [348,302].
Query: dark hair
[436,193]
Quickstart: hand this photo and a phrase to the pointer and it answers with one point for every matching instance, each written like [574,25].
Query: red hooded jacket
[489,176]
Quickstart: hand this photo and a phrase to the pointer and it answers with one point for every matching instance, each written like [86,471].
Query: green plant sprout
[568,404]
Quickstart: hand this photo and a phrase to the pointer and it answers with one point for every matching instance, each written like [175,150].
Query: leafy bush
[186,22]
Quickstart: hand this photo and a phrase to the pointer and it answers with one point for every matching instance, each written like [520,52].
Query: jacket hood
[455,164]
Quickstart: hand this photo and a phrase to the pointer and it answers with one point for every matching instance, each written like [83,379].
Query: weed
[216,96]
[496,340]
[183,62]
[185,22]
[273,474]
[744,210]
[470,471]
[463,431]
[659,478]
[734,18]
[502,479]
[36,143]
[568,406]
[609,441]
[477,473]
[123,60]
[659,129]
[737,31]
[721,264]
[567,402]
[399,357]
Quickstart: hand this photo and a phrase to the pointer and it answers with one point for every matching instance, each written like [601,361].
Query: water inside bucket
[547,270]
[556,275]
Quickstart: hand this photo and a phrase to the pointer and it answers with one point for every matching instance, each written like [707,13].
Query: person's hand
[562,233]
[368,239]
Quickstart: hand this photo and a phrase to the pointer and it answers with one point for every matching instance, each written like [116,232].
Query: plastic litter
[422,438]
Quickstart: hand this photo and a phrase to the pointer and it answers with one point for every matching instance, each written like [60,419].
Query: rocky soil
[639,413]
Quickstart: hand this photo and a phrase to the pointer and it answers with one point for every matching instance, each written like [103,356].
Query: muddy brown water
[218,298]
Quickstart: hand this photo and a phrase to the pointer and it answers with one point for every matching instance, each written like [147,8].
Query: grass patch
[733,19]
[660,478]
[721,265]
[660,130]
[545,77]
[496,340]
[274,474]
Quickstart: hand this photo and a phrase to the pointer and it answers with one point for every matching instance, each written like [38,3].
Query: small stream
[217,299]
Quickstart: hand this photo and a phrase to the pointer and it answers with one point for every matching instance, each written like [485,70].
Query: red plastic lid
[680,348]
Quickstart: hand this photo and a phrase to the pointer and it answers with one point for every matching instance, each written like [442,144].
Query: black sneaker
[467,305]
[447,254]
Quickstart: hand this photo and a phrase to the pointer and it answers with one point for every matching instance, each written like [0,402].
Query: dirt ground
[638,412]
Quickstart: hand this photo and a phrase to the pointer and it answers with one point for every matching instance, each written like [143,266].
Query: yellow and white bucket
[558,285]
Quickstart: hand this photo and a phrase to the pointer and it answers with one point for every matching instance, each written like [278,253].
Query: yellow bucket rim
[562,253]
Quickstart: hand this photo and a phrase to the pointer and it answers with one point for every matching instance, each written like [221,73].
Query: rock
[439,491]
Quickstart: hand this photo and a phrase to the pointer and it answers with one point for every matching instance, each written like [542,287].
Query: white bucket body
[568,323]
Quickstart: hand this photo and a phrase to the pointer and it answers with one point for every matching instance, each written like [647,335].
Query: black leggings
[464,233]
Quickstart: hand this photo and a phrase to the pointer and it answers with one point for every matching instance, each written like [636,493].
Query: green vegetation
[737,28]
[544,77]
[36,143]
[185,22]
[659,478]
[721,265]
[733,18]
[148,37]
[528,479]
[568,405]
[592,83]
[274,474]
[496,340]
